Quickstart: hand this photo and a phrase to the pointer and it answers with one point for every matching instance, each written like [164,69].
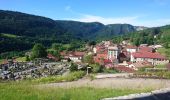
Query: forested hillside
[31,29]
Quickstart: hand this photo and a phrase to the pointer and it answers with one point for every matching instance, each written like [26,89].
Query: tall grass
[27,91]
[70,77]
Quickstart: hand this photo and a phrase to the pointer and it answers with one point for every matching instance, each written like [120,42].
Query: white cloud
[134,20]
[92,18]
[154,23]
[68,8]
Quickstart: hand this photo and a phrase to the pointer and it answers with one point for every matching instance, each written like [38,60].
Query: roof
[145,54]
[131,47]
[77,53]
[145,48]
[106,61]
[142,64]
[113,48]
[50,56]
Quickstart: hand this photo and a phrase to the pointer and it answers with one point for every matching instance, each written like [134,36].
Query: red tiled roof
[50,56]
[77,53]
[142,64]
[145,54]
[63,53]
[107,61]
[144,48]
[131,47]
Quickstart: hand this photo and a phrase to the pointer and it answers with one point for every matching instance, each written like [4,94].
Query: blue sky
[148,13]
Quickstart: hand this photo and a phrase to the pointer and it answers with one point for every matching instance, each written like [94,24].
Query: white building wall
[131,50]
[153,61]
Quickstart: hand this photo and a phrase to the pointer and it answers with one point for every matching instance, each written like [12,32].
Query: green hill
[31,29]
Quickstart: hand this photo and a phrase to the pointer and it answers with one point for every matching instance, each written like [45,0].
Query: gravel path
[114,83]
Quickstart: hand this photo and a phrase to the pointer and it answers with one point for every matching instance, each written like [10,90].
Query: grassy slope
[1,61]
[165,52]
[9,35]
[25,91]
[21,59]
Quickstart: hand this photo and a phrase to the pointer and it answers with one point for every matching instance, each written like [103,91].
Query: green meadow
[30,91]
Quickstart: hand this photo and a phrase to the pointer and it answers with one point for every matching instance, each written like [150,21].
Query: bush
[96,68]
[73,67]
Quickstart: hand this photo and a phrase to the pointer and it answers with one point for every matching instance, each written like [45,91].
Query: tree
[92,43]
[96,68]
[56,46]
[27,58]
[166,45]
[73,67]
[88,59]
[38,51]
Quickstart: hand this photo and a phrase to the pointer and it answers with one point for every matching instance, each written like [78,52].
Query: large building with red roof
[154,58]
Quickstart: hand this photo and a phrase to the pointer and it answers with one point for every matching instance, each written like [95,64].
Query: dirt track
[114,83]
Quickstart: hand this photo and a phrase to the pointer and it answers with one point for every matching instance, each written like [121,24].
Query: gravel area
[114,83]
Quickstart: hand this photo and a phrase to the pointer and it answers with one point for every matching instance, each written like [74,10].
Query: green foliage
[73,67]
[26,30]
[88,59]
[9,55]
[38,51]
[28,91]
[21,59]
[92,43]
[166,45]
[154,74]
[27,58]
[9,35]
[70,77]
[96,68]
[165,52]
[105,70]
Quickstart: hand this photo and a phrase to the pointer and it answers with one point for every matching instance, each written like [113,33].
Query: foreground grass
[28,91]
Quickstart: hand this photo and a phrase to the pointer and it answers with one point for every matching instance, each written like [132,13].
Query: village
[123,58]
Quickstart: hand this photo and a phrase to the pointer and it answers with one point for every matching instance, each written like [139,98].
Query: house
[140,64]
[113,52]
[108,63]
[145,48]
[100,57]
[131,48]
[50,56]
[154,58]
[73,56]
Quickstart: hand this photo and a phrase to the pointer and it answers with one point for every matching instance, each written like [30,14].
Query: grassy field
[9,35]
[21,59]
[1,61]
[165,52]
[28,91]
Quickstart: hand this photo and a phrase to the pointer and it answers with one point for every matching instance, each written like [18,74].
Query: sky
[149,13]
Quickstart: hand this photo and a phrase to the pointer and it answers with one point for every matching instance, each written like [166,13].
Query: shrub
[96,68]
[73,67]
